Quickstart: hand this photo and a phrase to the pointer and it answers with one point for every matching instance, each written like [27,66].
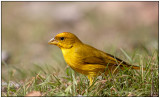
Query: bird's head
[65,40]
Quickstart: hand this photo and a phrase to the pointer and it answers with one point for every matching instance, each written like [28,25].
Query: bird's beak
[53,42]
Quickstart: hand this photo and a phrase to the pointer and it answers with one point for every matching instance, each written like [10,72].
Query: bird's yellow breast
[70,57]
[75,61]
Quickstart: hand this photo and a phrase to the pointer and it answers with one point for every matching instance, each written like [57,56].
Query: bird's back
[90,55]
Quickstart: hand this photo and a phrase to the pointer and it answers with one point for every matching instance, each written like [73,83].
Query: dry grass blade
[34,94]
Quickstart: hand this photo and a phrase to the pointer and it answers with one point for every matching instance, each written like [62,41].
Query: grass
[47,80]
[26,42]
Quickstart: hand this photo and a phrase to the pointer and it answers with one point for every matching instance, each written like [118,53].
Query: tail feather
[137,68]
[123,63]
[133,67]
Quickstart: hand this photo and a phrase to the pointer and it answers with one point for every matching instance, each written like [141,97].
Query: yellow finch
[86,59]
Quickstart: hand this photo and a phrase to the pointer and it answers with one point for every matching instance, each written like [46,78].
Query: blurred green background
[109,26]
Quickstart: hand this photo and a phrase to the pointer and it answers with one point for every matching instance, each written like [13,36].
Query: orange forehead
[65,34]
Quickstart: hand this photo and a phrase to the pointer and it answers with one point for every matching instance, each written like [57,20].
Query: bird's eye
[62,38]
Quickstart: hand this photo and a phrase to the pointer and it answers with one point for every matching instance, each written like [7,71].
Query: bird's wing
[99,57]
[102,60]
[117,60]
[94,60]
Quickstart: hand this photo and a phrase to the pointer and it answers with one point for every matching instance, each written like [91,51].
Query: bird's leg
[90,79]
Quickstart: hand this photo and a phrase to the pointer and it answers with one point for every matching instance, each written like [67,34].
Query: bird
[86,59]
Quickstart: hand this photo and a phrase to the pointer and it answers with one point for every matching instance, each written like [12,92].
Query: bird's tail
[137,68]
[133,66]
